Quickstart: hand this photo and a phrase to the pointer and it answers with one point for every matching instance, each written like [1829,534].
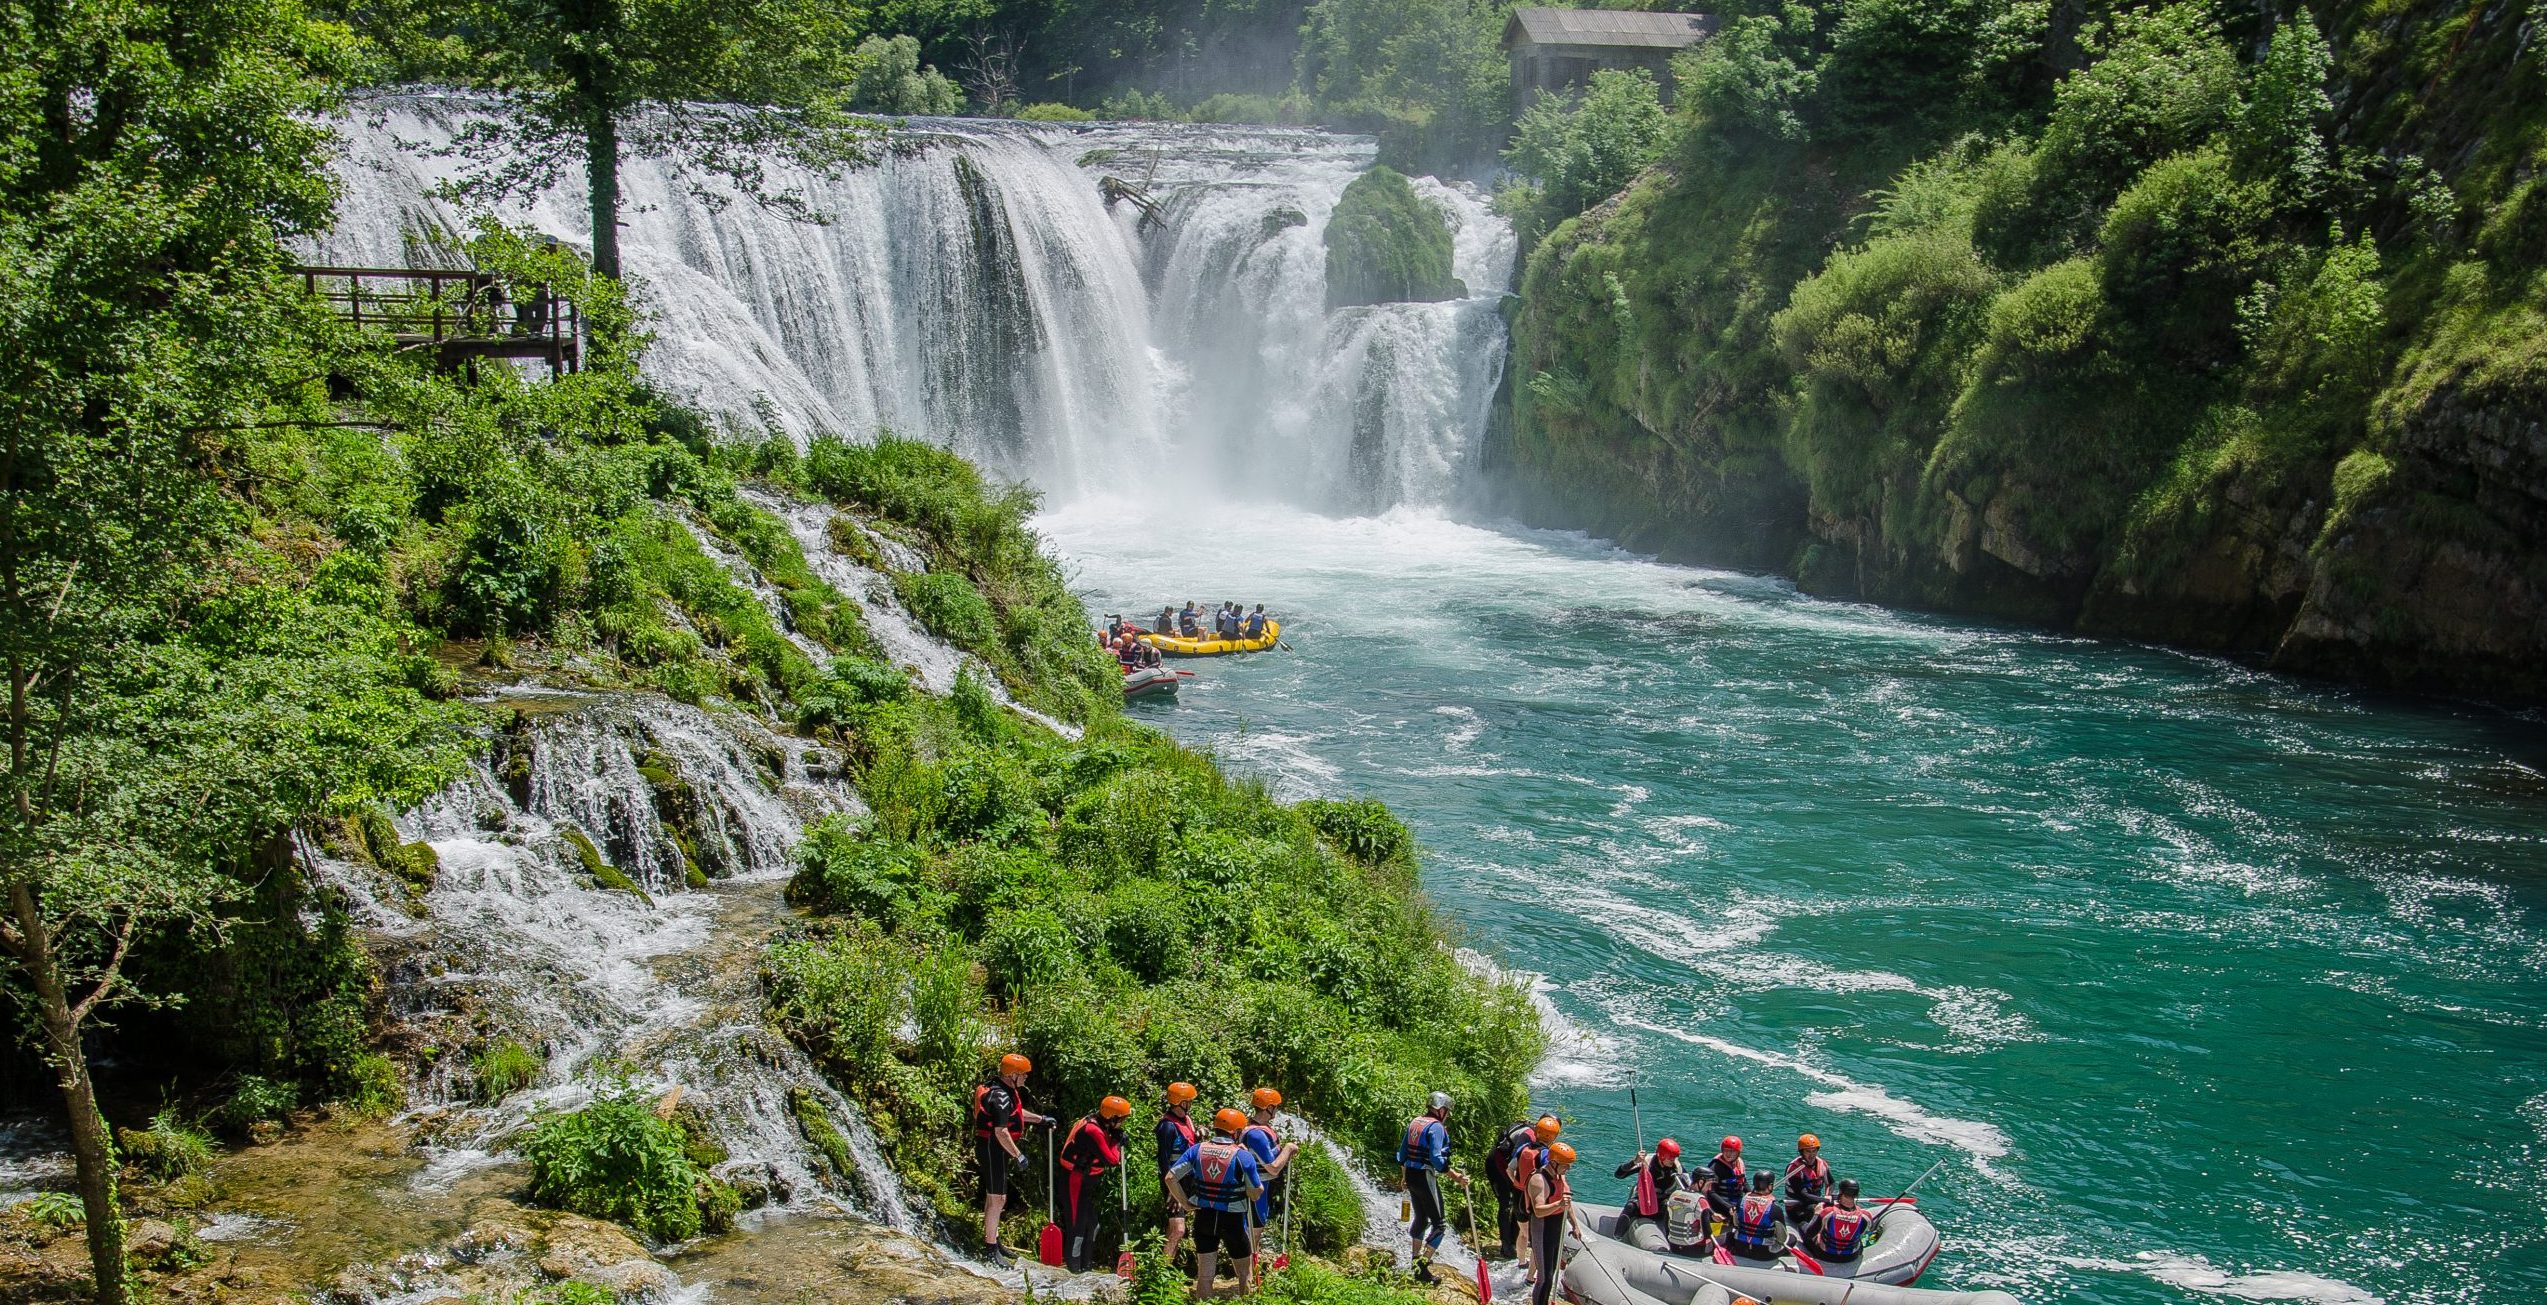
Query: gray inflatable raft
[1604,1271]
[1905,1242]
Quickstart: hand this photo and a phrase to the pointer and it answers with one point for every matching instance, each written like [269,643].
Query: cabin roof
[1606,27]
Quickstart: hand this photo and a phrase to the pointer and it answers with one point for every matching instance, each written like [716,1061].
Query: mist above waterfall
[974,288]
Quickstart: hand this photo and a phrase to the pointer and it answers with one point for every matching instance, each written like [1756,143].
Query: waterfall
[973,288]
[515,940]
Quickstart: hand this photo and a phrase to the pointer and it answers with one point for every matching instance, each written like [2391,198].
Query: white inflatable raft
[1605,1271]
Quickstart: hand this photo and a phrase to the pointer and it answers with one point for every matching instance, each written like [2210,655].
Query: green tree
[891,80]
[1752,79]
[720,90]
[1580,152]
[2280,139]
[163,713]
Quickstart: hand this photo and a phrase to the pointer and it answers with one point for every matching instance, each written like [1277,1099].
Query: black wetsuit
[1509,1216]
[1547,1241]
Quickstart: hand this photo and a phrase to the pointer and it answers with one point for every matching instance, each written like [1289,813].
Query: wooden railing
[461,315]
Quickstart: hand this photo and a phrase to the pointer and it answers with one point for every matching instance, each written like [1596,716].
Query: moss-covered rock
[601,871]
[1386,244]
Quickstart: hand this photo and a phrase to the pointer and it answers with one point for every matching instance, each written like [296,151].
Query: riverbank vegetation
[2193,322]
[251,553]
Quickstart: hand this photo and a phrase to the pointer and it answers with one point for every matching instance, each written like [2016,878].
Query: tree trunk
[601,170]
[91,1148]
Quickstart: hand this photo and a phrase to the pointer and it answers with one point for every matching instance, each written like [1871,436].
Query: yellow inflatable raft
[1172,646]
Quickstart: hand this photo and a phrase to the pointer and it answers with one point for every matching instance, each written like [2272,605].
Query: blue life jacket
[1222,1169]
[1843,1233]
[1753,1221]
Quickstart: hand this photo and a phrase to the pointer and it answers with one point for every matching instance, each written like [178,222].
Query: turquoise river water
[2208,984]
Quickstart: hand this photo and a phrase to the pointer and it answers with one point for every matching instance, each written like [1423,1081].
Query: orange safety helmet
[1808,1142]
[1113,1108]
[1179,1093]
[1230,1120]
[1561,1153]
[1265,1098]
[1012,1063]
[1547,1128]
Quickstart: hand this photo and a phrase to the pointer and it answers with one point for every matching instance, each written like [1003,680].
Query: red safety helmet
[1667,1149]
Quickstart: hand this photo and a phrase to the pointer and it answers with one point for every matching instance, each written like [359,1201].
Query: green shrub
[1047,111]
[840,995]
[613,1159]
[1027,949]
[1326,1211]
[841,869]
[170,1148]
[1363,829]
[258,1100]
[504,1068]
[951,608]
[1308,1282]
[1146,930]
[944,999]
[54,1210]
[371,1086]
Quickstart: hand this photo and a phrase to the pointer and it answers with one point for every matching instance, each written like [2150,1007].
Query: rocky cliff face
[2303,421]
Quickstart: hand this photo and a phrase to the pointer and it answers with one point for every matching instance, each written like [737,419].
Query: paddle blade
[1806,1260]
[1485,1285]
[1281,1262]
[1123,1265]
[1048,1245]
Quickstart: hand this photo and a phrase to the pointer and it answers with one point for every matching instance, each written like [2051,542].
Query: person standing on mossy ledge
[1226,1182]
[1273,1156]
[1094,1146]
[1176,1135]
[1424,1152]
[999,1115]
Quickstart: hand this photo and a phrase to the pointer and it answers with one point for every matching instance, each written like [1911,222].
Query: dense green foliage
[2106,318]
[1126,915]
[616,1159]
[1387,245]
[1574,152]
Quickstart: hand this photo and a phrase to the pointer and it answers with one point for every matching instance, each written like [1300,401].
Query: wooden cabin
[1557,50]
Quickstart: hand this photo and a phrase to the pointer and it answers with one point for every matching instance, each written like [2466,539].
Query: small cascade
[975,288]
[894,629]
[518,940]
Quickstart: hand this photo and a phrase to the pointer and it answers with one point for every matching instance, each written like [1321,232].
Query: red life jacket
[1843,1232]
[1816,1178]
[1558,1190]
[1107,1155]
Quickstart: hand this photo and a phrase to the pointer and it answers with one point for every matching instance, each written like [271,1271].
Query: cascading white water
[516,933]
[973,288]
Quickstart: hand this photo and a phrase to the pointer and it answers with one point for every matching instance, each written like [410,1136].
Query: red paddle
[1806,1260]
[1048,1242]
[1485,1285]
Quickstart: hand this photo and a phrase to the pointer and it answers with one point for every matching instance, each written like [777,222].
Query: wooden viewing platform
[461,315]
